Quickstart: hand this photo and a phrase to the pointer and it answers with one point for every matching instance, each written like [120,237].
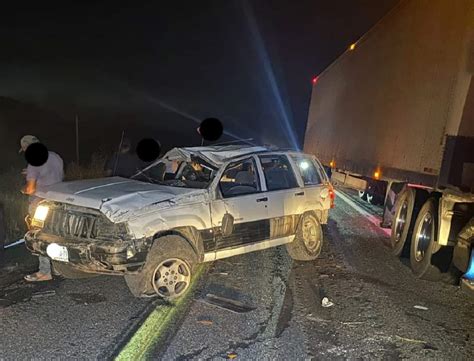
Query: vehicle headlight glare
[304,165]
[41,213]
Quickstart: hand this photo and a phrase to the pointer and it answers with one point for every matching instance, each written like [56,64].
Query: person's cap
[26,141]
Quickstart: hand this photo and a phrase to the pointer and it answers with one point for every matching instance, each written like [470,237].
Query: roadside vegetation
[15,204]
[93,169]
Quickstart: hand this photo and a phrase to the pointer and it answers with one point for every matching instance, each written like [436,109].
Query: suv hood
[118,198]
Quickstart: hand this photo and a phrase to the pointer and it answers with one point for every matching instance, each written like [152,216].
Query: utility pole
[118,153]
[77,139]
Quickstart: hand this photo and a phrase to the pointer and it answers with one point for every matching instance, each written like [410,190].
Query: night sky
[160,67]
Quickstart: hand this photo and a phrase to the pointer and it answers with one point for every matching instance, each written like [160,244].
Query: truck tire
[69,272]
[168,270]
[423,244]
[308,241]
[401,224]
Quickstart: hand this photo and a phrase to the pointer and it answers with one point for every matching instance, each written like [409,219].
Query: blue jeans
[44,262]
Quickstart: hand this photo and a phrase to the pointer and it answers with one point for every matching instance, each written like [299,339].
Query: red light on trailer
[315,80]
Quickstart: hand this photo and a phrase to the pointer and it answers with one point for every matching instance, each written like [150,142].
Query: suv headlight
[41,213]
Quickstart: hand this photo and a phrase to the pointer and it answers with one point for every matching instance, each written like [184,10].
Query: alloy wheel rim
[424,236]
[401,221]
[171,278]
[310,235]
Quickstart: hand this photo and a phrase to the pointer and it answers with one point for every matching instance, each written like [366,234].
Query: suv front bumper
[93,256]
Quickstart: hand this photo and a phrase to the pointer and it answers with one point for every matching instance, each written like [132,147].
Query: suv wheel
[167,271]
[308,240]
[171,278]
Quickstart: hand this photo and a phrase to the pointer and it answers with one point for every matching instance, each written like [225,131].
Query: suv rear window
[278,172]
[308,170]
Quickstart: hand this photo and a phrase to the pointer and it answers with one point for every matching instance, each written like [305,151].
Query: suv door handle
[264,199]
[299,194]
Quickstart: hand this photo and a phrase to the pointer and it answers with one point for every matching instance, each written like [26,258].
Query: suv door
[240,190]
[285,196]
[315,182]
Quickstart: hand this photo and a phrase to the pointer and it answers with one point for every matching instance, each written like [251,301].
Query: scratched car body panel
[109,225]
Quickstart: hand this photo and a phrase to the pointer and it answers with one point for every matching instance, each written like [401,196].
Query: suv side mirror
[227,225]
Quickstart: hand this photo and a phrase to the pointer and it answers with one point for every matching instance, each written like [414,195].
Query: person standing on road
[123,163]
[38,178]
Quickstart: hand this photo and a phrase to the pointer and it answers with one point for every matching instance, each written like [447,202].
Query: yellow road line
[154,326]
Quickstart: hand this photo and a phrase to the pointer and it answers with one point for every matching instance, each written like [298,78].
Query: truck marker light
[377,174]
[352,47]
[315,80]
[332,164]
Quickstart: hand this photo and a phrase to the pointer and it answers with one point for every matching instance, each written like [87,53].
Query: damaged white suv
[193,205]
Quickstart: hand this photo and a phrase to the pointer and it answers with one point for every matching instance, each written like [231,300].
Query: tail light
[332,196]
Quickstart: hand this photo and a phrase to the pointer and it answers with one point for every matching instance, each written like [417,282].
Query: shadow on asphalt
[15,263]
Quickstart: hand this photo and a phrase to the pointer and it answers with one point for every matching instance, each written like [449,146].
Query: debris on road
[326,303]
[41,294]
[409,340]
[205,322]
[227,303]
[350,323]
[418,307]
[231,355]
[16,243]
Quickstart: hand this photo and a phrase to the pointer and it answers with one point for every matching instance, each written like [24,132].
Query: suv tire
[168,270]
[308,240]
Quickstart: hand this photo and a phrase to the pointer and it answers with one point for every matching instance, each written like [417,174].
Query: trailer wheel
[362,195]
[401,223]
[423,244]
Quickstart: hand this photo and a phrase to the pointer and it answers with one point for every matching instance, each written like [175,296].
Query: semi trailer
[393,117]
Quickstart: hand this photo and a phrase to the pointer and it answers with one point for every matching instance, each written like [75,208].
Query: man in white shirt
[38,178]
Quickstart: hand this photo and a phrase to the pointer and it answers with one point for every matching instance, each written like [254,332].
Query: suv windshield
[178,173]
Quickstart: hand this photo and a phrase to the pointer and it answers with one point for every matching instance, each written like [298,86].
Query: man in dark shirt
[124,163]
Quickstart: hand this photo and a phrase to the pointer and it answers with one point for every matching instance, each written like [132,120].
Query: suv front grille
[77,222]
